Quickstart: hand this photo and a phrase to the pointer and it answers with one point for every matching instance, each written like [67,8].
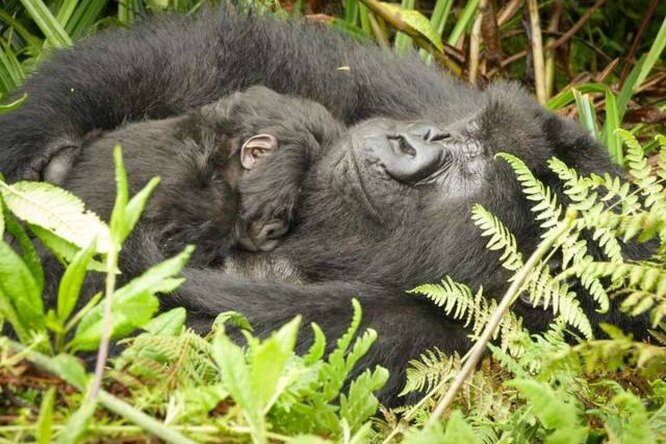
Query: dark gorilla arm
[167,66]
[406,326]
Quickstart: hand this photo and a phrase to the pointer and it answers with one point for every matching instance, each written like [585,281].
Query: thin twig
[505,303]
[107,323]
[475,44]
[629,60]
[509,11]
[537,51]
[550,53]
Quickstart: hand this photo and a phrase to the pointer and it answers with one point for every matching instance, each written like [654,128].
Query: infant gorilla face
[230,171]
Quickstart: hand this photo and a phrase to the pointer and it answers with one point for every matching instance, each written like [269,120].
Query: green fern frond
[429,369]
[547,209]
[451,295]
[500,237]
[548,292]
[641,170]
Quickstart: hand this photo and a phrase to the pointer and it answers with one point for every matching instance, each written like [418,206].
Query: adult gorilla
[382,210]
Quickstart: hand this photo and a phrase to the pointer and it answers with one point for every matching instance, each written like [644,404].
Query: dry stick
[537,51]
[508,11]
[475,44]
[509,297]
[550,54]
[628,61]
[400,25]
[561,40]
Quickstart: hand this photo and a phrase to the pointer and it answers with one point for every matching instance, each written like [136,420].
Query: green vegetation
[177,386]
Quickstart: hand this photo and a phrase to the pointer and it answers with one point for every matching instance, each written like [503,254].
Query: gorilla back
[170,65]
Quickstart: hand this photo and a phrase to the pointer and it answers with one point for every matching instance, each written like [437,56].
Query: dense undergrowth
[174,385]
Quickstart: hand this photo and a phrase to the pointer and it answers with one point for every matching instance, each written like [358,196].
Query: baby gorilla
[231,173]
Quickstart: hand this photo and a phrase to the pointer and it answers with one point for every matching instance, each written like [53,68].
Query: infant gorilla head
[230,171]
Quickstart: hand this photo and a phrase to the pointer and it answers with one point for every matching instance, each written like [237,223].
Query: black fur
[206,197]
[358,232]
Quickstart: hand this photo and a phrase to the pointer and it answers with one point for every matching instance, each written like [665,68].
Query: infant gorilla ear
[231,171]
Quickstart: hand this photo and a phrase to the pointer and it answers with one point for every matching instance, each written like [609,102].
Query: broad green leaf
[417,21]
[133,305]
[2,219]
[70,284]
[609,136]
[553,411]
[458,430]
[231,317]
[237,381]
[45,419]
[127,314]
[29,253]
[63,250]
[158,278]
[71,370]
[19,287]
[57,211]
[168,323]
[269,360]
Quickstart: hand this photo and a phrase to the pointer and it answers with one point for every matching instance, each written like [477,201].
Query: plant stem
[505,303]
[117,406]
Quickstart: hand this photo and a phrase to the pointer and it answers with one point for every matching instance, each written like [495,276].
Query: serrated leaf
[269,360]
[236,378]
[57,211]
[360,403]
[63,250]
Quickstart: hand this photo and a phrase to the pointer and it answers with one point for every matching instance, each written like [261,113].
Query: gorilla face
[407,189]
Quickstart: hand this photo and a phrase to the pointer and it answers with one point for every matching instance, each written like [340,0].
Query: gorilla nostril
[401,145]
[435,135]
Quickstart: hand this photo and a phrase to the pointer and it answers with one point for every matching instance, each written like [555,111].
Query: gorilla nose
[414,155]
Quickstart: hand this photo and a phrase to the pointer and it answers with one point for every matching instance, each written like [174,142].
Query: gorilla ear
[256,148]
